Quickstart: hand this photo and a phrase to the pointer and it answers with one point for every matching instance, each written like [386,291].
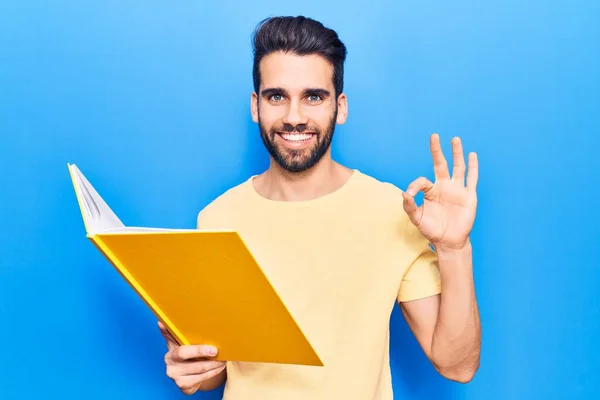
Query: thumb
[410,207]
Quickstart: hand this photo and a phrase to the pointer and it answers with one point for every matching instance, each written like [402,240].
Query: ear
[254,107]
[342,109]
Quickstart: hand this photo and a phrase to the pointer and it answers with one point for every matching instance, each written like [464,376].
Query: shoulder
[383,200]
[387,206]
[223,208]
[379,191]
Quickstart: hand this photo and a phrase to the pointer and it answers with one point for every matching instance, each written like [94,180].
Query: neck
[279,184]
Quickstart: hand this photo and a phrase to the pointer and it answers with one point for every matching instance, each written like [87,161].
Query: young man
[340,247]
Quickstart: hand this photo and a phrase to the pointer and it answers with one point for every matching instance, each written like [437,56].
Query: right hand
[190,365]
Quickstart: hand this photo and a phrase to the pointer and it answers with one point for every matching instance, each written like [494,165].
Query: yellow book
[205,286]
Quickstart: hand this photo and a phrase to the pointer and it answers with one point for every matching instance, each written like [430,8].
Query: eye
[276,98]
[313,98]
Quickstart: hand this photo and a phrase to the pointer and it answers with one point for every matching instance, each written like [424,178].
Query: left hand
[447,214]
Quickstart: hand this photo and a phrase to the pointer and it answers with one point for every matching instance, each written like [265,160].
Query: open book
[205,286]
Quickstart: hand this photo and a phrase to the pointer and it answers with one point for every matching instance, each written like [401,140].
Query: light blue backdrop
[151,100]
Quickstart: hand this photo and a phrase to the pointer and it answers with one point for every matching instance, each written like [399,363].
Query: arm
[447,326]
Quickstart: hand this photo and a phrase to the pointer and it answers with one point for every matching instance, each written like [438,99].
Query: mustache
[299,128]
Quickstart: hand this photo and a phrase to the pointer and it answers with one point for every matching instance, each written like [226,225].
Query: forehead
[294,72]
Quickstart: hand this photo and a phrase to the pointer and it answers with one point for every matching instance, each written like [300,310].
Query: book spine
[110,256]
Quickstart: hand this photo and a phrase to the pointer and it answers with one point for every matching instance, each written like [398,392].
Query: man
[340,247]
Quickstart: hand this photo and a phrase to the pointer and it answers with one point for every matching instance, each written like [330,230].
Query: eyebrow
[268,92]
[316,92]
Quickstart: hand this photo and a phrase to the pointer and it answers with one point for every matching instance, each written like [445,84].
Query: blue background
[151,100]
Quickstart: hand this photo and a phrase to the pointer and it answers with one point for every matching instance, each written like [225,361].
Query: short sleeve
[422,277]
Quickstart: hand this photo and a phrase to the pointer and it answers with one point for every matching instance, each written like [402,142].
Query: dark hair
[301,36]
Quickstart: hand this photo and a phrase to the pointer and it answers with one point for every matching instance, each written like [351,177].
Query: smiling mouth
[296,137]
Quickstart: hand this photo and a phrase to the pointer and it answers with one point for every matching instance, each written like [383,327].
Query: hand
[190,366]
[447,214]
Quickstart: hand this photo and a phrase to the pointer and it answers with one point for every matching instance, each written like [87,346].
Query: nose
[295,114]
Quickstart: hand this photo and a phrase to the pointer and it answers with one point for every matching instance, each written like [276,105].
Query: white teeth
[296,137]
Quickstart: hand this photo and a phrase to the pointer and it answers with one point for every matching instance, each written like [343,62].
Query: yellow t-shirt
[339,263]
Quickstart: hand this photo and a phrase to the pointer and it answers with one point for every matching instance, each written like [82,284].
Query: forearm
[455,347]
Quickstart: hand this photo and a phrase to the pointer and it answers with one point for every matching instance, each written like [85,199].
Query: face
[296,109]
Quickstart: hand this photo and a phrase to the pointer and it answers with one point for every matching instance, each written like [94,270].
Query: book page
[137,229]
[98,215]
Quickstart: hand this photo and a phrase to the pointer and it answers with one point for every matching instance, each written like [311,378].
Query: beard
[298,160]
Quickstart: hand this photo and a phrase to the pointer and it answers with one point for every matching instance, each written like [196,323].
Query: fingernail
[212,351]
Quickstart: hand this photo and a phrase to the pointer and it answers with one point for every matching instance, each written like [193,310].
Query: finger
[189,384]
[202,367]
[188,388]
[473,175]
[420,184]
[193,367]
[458,159]
[165,333]
[190,352]
[171,341]
[440,165]
[410,207]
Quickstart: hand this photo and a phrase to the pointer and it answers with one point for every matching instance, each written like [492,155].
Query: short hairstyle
[300,36]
